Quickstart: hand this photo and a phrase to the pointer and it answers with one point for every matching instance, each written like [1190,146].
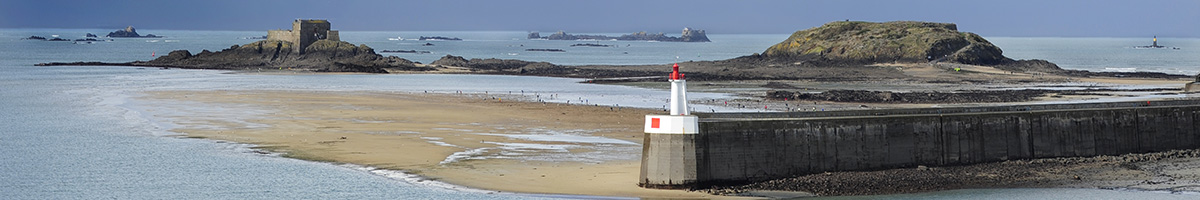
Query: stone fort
[304,32]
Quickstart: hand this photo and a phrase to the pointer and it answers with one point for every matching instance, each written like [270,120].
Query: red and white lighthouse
[678,92]
[680,121]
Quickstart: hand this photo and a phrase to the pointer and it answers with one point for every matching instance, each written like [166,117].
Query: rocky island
[283,49]
[689,35]
[130,32]
[919,52]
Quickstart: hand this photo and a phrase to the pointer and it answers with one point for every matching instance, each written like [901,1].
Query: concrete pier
[741,147]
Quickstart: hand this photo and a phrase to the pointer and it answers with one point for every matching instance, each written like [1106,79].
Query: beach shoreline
[468,140]
[507,143]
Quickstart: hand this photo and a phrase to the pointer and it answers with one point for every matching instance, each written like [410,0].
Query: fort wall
[304,32]
[741,147]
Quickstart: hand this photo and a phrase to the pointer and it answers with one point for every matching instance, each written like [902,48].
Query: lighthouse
[678,92]
[680,121]
[669,146]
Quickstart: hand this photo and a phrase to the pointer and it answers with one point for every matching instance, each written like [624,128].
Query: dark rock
[1034,65]
[34,38]
[862,96]
[87,39]
[689,35]
[450,60]
[440,38]
[519,67]
[590,45]
[548,50]
[90,35]
[58,39]
[427,44]
[130,32]
[404,51]
[693,35]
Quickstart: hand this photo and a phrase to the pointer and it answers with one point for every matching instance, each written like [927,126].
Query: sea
[81,132]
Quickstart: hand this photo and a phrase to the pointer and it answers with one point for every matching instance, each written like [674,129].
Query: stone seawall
[740,147]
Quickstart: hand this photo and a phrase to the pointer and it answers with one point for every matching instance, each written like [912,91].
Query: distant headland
[689,35]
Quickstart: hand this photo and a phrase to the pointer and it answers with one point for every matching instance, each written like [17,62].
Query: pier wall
[740,147]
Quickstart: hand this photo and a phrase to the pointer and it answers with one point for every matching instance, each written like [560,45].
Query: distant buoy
[152,54]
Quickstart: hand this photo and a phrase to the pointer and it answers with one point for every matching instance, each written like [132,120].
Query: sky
[1034,18]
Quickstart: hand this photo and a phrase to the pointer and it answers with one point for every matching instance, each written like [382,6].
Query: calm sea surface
[79,132]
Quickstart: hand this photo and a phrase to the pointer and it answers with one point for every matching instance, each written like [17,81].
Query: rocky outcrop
[321,56]
[898,41]
[485,64]
[689,35]
[92,35]
[520,67]
[863,96]
[130,32]
[439,38]
[693,35]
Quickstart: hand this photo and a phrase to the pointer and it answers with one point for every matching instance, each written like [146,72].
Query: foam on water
[569,136]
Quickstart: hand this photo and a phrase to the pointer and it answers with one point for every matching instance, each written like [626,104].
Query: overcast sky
[1094,18]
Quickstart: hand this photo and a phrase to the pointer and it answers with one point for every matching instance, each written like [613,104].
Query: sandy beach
[514,143]
[475,140]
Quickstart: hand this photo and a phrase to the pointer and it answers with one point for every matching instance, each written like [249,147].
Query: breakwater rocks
[689,35]
[321,56]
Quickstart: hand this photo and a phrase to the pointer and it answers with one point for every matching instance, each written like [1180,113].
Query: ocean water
[78,132]
[1107,54]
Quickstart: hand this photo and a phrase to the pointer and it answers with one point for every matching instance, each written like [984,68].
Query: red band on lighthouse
[675,75]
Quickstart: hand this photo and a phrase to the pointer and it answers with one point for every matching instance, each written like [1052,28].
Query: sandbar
[481,141]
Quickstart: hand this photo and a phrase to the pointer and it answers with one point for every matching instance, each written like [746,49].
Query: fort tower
[304,32]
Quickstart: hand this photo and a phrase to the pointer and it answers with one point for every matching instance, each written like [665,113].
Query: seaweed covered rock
[898,41]
[492,64]
[321,56]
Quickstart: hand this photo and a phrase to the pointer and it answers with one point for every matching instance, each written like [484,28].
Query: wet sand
[495,142]
[468,140]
